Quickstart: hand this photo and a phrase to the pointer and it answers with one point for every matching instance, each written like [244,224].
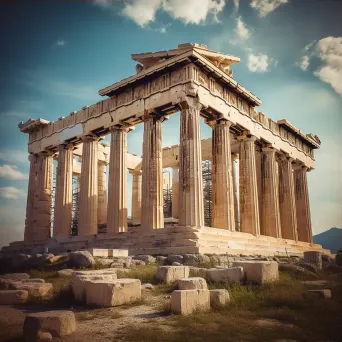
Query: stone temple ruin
[268,212]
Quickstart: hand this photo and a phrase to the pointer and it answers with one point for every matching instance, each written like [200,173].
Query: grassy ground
[282,310]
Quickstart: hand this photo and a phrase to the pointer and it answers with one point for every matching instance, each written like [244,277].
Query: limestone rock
[148,259]
[309,267]
[103,261]
[66,272]
[174,258]
[147,286]
[112,293]
[57,323]
[225,275]
[259,272]
[125,261]
[219,298]
[169,274]
[326,293]
[57,259]
[314,258]
[81,259]
[138,262]
[176,264]
[161,260]
[36,291]
[297,269]
[185,302]
[195,283]
[195,259]
[34,280]
[12,297]
[15,276]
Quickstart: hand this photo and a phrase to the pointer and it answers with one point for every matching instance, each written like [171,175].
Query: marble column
[136,196]
[87,223]
[222,180]
[270,195]
[235,190]
[31,195]
[117,189]
[302,204]
[287,203]
[63,198]
[249,207]
[102,193]
[43,198]
[175,193]
[152,215]
[191,209]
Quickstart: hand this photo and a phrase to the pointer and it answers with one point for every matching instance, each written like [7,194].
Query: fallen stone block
[15,276]
[103,261]
[81,259]
[34,280]
[326,293]
[12,297]
[185,302]
[79,279]
[219,298]
[169,274]
[147,286]
[57,259]
[225,275]
[112,293]
[195,283]
[148,259]
[36,291]
[58,323]
[259,272]
[66,272]
[309,267]
[314,258]
[174,258]
[195,259]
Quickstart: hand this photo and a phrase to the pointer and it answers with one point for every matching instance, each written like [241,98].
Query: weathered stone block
[112,293]
[259,272]
[12,297]
[81,259]
[79,282]
[219,298]
[314,258]
[169,274]
[195,283]
[58,323]
[34,280]
[148,259]
[35,290]
[185,302]
[225,275]
[15,276]
[326,293]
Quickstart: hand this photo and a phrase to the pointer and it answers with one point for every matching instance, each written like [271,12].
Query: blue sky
[56,55]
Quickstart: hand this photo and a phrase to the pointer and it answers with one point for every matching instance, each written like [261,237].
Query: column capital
[190,102]
[246,136]
[135,172]
[46,153]
[297,167]
[286,157]
[268,149]
[219,122]
[65,146]
[89,137]
[121,127]
[235,156]
[153,113]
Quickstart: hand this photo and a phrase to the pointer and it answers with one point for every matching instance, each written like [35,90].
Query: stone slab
[170,274]
[225,275]
[194,283]
[108,253]
[13,297]
[219,298]
[186,302]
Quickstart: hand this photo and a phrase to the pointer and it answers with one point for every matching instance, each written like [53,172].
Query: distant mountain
[331,239]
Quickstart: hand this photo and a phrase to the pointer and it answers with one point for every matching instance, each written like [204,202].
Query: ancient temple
[267,213]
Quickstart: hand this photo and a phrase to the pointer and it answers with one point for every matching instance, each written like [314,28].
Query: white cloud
[304,63]
[258,63]
[11,172]
[144,12]
[103,3]
[60,42]
[241,29]
[264,7]
[14,156]
[329,50]
[10,192]
[236,4]
[310,45]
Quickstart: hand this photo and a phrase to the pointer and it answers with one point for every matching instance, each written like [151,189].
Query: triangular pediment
[220,60]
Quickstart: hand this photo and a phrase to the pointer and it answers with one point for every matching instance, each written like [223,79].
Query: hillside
[330,239]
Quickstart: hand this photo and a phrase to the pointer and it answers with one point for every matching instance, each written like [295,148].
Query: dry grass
[146,274]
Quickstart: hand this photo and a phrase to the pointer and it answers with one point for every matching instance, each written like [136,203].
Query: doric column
[31,195]
[302,204]
[43,198]
[222,180]
[152,216]
[270,199]
[191,210]
[63,198]
[117,189]
[235,190]
[102,193]
[287,203]
[87,224]
[136,196]
[249,208]
[175,193]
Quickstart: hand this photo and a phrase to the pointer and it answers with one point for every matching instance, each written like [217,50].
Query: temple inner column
[43,198]
[249,208]
[302,204]
[175,193]
[31,195]
[152,215]
[102,193]
[136,197]
[287,203]
[270,198]
[222,180]
[191,206]
[234,158]
[117,195]
[63,198]
[89,187]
